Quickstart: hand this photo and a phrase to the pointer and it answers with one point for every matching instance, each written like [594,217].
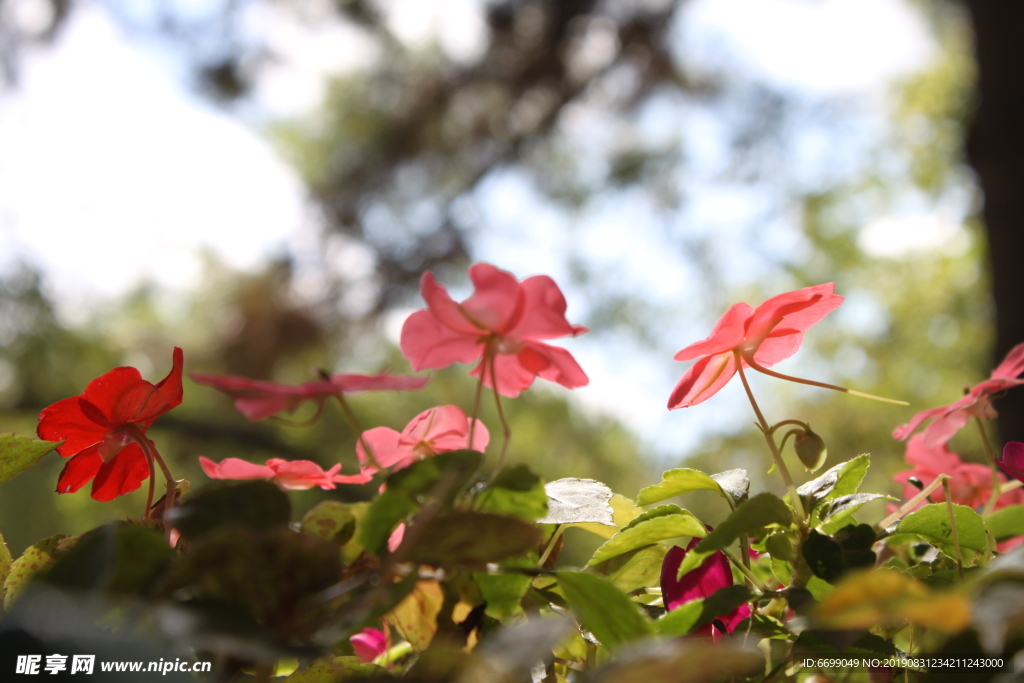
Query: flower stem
[766,431]
[810,382]
[996,483]
[912,503]
[551,544]
[153,456]
[488,351]
[353,424]
[749,575]
[952,525]
[506,431]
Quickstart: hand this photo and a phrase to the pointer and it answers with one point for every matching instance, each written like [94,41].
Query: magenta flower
[503,322]
[711,576]
[758,337]
[257,399]
[1012,461]
[369,644]
[947,420]
[437,430]
[295,475]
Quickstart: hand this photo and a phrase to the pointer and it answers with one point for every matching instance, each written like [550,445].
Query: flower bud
[810,449]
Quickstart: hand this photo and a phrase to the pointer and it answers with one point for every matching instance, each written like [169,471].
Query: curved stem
[479,392]
[765,430]
[153,456]
[304,423]
[749,575]
[353,423]
[996,483]
[506,431]
[776,426]
[810,382]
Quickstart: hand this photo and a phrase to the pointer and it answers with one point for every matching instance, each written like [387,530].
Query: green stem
[353,424]
[810,382]
[996,483]
[506,431]
[912,503]
[765,430]
[479,393]
[551,544]
[754,581]
[952,525]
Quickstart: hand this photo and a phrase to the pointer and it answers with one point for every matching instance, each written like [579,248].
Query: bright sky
[104,185]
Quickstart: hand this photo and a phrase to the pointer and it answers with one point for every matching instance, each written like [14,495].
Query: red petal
[122,475]
[726,335]
[79,471]
[429,344]
[1012,461]
[64,421]
[369,644]
[703,380]
[712,575]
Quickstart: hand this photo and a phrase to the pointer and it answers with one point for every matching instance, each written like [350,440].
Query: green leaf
[36,557]
[331,521]
[448,471]
[251,504]
[603,609]
[735,484]
[18,453]
[5,561]
[332,669]
[624,511]
[381,518]
[932,523]
[120,557]
[516,491]
[637,569]
[469,538]
[503,592]
[642,532]
[1006,523]
[675,482]
[844,506]
[831,557]
[684,619]
[574,501]
[841,480]
[748,519]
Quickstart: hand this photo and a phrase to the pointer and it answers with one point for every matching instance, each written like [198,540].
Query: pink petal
[498,300]
[712,575]
[559,367]
[427,343]
[795,311]
[944,427]
[381,382]
[1012,366]
[443,309]
[386,447]
[235,468]
[369,644]
[543,312]
[703,380]
[726,335]
[395,539]
[937,459]
[903,431]
[300,475]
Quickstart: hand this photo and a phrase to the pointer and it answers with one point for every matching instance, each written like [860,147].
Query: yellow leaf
[416,616]
[624,511]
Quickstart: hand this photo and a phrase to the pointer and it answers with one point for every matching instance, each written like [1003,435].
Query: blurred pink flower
[369,644]
[437,430]
[503,317]
[711,576]
[1012,460]
[947,420]
[766,335]
[288,474]
[257,399]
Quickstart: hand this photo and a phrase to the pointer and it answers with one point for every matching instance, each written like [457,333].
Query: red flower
[762,337]
[101,426]
[970,484]
[296,475]
[947,420]
[438,430]
[711,576]
[502,322]
[257,399]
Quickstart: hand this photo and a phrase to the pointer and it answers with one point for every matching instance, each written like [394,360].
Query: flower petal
[427,343]
[443,309]
[903,431]
[123,474]
[498,301]
[1012,366]
[65,421]
[712,575]
[79,470]
[797,310]
[381,382]
[387,450]
[703,380]
[369,644]
[543,312]
[1012,461]
[235,468]
[726,335]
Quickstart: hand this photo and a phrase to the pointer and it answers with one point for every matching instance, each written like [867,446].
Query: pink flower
[295,475]
[1012,461]
[437,430]
[947,420]
[369,644]
[757,337]
[257,399]
[970,484]
[711,576]
[503,323]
